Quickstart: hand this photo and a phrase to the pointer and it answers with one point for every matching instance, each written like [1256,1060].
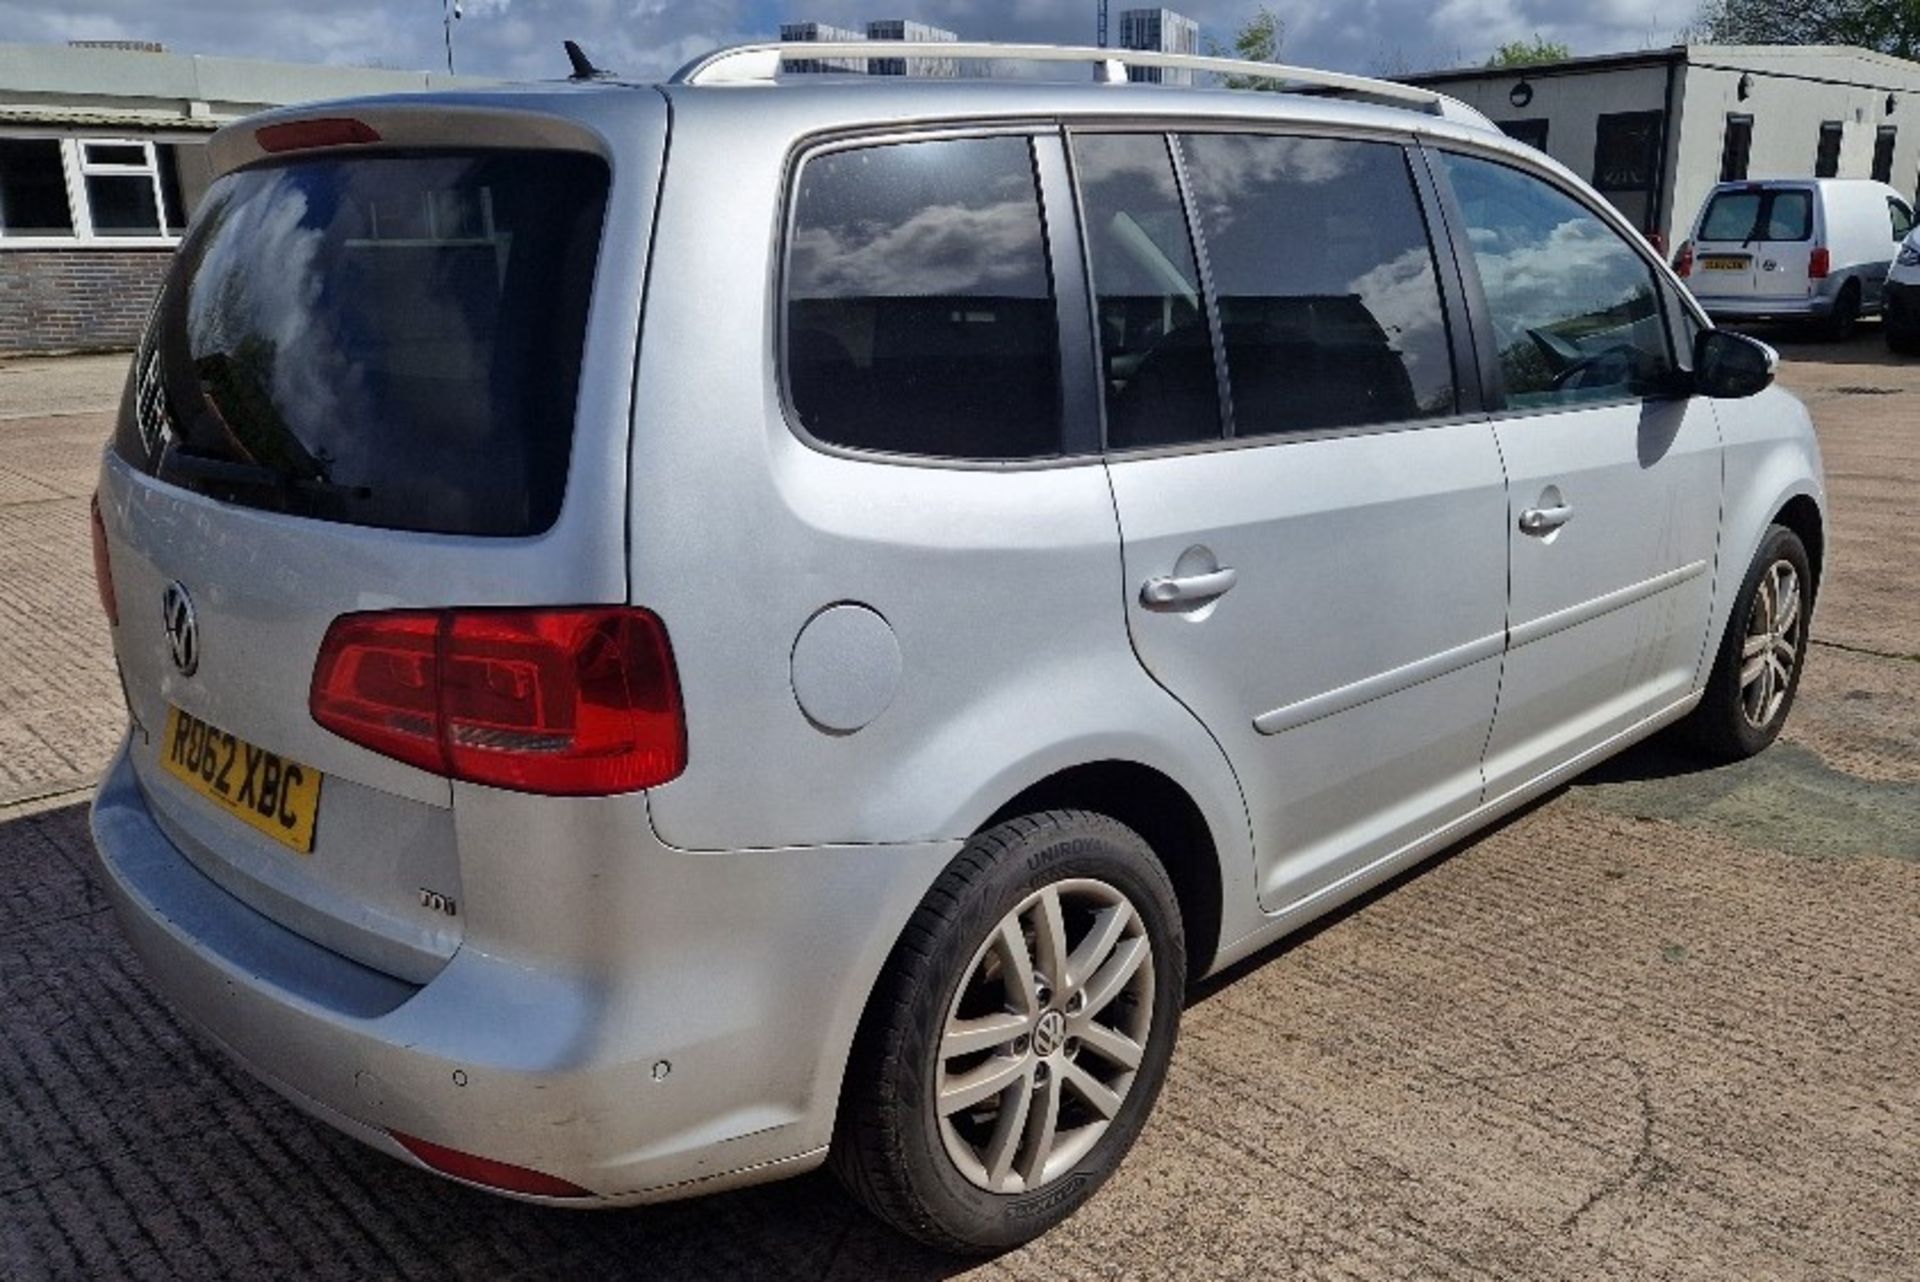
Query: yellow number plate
[1723,264]
[257,787]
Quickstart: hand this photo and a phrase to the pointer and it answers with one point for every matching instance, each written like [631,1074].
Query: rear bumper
[1737,308]
[689,1037]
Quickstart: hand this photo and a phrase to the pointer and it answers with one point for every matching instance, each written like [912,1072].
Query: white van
[1795,249]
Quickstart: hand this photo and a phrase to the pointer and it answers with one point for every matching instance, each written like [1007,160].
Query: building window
[33,189]
[98,190]
[123,188]
[1626,163]
[1531,132]
[1883,141]
[1826,161]
[1736,148]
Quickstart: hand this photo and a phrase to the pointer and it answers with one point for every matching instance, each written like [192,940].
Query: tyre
[1757,669]
[1019,1036]
[1902,338]
[1845,319]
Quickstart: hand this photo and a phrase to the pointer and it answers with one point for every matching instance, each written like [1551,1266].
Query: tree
[1891,26]
[1522,53]
[1258,40]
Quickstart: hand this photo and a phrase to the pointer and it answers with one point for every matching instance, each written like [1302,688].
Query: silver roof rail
[761,62]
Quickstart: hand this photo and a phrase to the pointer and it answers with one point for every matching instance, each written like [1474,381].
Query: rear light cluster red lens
[1819,264]
[1683,261]
[103,567]
[572,702]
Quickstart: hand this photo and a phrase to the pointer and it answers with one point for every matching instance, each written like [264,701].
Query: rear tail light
[1658,239]
[571,702]
[1819,263]
[103,568]
[1683,261]
[485,1170]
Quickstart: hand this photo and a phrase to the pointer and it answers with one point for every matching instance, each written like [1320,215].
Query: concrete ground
[1661,1025]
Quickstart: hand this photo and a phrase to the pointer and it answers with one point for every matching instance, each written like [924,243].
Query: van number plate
[273,794]
[1718,263]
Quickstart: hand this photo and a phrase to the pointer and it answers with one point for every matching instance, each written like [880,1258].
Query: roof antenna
[583,68]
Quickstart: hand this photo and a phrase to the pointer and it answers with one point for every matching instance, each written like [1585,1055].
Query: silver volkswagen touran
[679,633]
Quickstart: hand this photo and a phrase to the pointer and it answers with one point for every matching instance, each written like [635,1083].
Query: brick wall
[76,299]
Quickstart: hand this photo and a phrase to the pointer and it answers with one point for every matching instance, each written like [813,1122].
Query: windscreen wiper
[198,467]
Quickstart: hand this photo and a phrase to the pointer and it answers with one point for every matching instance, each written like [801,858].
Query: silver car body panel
[655,994]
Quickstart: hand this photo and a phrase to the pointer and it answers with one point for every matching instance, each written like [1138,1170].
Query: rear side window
[1328,298]
[1768,214]
[389,340]
[920,311]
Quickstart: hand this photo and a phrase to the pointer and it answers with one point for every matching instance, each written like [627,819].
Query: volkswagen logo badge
[183,631]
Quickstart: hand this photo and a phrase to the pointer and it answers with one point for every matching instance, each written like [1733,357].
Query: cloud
[646,38]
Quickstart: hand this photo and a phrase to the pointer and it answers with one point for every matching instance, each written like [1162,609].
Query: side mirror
[1728,366]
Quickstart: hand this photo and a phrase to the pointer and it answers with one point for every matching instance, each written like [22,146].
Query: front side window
[33,189]
[920,311]
[1575,312]
[1901,217]
[1328,298]
[1156,350]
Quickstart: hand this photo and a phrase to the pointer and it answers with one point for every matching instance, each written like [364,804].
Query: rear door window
[920,311]
[1329,302]
[1766,215]
[389,340]
[1161,382]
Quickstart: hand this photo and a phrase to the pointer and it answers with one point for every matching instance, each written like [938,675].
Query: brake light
[1819,263]
[486,1170]
[570,702]
[103,568]
[299,135]
[1683,261]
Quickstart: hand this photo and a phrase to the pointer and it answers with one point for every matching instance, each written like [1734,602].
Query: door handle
[1188,589]
[1545,520]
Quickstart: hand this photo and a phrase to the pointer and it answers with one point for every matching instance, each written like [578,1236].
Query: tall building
[1162,30]
[900,29]
[821,31]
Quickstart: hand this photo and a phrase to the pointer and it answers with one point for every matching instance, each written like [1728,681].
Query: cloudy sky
[521,38]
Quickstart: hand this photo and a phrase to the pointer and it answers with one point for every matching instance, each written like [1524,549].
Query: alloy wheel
[1045,1036]
[1772,645]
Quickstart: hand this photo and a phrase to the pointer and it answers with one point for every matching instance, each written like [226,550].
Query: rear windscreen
[389,340]
[1785,214]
